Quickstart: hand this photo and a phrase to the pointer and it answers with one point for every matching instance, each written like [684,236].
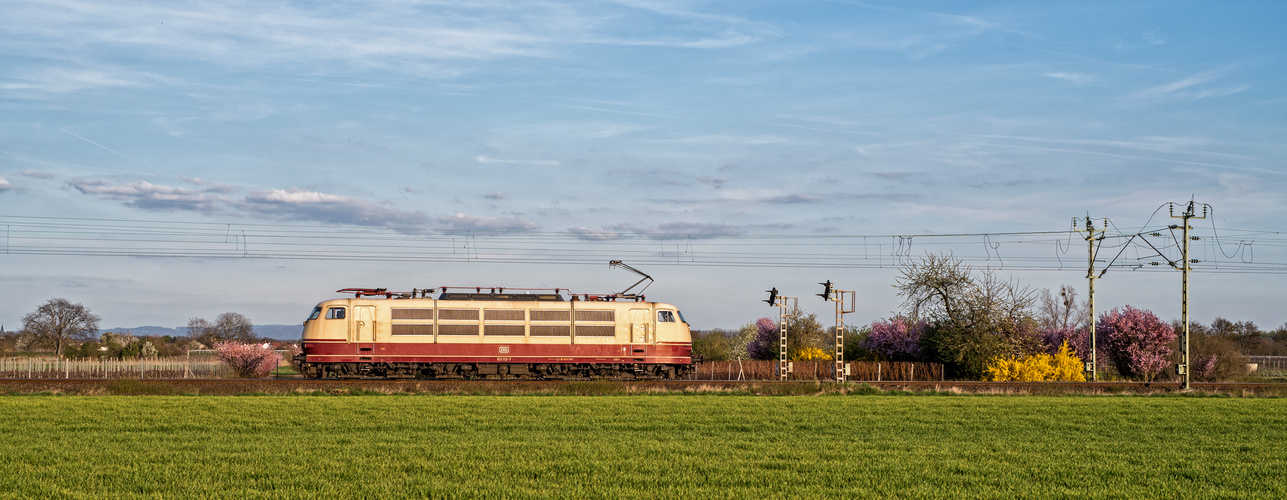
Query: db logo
[504,349]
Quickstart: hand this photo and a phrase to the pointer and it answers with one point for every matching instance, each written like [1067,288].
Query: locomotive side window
[665,316]
[335,313]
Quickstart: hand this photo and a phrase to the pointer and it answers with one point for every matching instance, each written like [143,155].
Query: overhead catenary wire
[1009,250]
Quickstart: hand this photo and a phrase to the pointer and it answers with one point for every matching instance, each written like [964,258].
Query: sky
[668,134]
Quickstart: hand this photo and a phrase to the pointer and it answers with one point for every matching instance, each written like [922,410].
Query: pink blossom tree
[1077,338]
[765,343]
[1138,342]
[898,339]
[248,360]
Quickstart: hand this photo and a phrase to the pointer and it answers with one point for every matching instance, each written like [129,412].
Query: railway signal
[781,302]
[826,290]
[838,296]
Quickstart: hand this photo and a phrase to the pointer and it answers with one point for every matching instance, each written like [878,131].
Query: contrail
[131,158]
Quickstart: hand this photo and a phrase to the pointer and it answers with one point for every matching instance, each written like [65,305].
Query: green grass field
[668,446]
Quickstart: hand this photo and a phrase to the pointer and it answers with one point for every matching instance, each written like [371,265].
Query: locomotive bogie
[434,338]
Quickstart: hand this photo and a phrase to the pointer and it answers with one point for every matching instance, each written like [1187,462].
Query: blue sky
[641,120]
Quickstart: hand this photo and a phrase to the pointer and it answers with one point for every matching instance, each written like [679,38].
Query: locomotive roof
[494,294]
[525,297]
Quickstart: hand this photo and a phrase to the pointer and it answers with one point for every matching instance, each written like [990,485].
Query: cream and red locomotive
[494,333]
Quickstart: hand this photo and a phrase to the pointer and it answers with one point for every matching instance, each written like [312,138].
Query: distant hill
[279,332]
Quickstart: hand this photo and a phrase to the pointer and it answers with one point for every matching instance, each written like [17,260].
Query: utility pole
[1093,244]
[838,296]
[1188,214]
[781,302]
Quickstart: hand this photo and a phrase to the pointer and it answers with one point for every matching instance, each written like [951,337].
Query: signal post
[781,302]
[838,296]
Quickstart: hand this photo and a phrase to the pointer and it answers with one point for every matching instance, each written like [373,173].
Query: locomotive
[470,333]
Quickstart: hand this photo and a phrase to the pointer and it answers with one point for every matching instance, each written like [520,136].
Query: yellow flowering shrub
[811,354]
[1064,366]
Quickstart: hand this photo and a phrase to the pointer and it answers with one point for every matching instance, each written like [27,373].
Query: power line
[1010,250]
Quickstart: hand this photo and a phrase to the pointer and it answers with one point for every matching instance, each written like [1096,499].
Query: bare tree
[972,319]
[57,323]
[1063,312]
[229,326]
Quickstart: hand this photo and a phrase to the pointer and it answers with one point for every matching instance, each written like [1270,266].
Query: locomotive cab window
[665,316]
[317,311]
[335,313]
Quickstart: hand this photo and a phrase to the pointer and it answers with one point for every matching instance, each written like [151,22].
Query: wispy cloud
[493,161]
[666,229]
[299,204]
[148,196]
[1191,88]
[35,174]
[5,185]
[434,39]
[71,80]
[1072,77]
[289,204]
[463,222]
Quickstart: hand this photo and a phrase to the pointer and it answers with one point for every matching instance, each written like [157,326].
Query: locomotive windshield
[317,311]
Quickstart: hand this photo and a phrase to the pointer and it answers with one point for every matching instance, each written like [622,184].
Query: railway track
[589,387]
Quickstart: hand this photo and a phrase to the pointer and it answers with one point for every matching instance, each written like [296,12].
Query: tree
[806,338]
[898,339]
[1063,312]
[1077,338]
[712,345]
[229,326]
[1138,343]
[765,343]
[1243,333]
[1214,353]
[971,320]
[58,323]
[248,360]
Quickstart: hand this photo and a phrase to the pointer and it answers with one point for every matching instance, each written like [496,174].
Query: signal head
[773,296]
[826,290]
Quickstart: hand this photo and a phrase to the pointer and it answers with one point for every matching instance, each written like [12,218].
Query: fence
[105,368]
[817,370]
[1269,363]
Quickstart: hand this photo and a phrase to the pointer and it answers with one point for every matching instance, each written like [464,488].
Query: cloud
[148,196]
[737,139]
[298,204]
[434,39]
[462,222]
[5,185]
[1187,89]
[793,199]
[1074,78]
[676,229]
[35,174]
[494,196]
[492,161]
[70,80]
[213,187]
[591,234]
